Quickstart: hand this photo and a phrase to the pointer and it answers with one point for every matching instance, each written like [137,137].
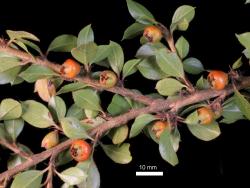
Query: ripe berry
[152,33]
[218,79]
[80,150]
[108,79]
[50,140]
[70,68]
[158,128]
[205,115]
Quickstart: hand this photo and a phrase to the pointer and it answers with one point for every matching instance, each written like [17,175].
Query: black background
[212,38]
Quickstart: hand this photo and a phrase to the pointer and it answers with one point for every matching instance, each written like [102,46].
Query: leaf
[10,109]
[76,112]
[149,49]
[28,179]
[93,179]
[35,72]
[182,47]
[247,1]
[14,160]
[202,83]
[57,107]
[242,103]
[7,63]
[184,13]
[244,39]
[31,45]
[72,175]
[72,128]
[203,132]
[3,133]
[62,43]
[102,52]
[116,57]
[63,158]
[149,68]
[140,13]
[90,113]
[119,154]
[36,114]
[85,53]
[193,66]
[130,67]
[10,75]
[71,87]
[85,36]
[140,122]
[21,35]
[170,63]
[166,148]
[119,134]
[237,64]
[87,98]
[45,89]
[169,86]
[21,45]
[14,127]
[133,30]
[118,105]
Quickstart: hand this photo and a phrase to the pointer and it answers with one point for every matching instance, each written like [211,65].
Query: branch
[25,57]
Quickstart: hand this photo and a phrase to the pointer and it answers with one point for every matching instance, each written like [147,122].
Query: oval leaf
[133,30]
[10,109]
[182,47]
[193,66]
[21,35]
[36,114]
[71,87]
[244,39]
[28,179]
[139,123]
[57,107]
[119,134]
[119,154]
[63,43]
[168,86]
[130,67]
[76,112]
[85,36]
[118,105]
[14,127]
[72,128]
[87,98]
[242,103]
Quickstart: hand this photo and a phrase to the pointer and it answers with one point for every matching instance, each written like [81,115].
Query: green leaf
[71,87]
[76,112]
[72,175]
[244,39]
[140,13]
[119,134]
[31,45]
[130,67]
[63,158]
[242,103]
[149,68]
[202,83]
[36,114]
[93,179]
[10,109]
[6,63]
[72,128]
[14,127]
[28,179]
[231,112]
[149,49]
[87,98]
[119,154]
[170,63]
[102,52]
[193,66]
[205,132]
[237,64]
[62,43]
[85,36]
[183,15]
[140,122]
[21,35]
[169,86]
[85,53]
[35,72]
[166,148]
[182,47]
[118,105]
[116,57]
[133,30]
[10,75]
[3,133]
[57,107]
[21,45]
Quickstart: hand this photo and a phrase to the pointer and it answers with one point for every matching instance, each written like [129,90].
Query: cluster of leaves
[153,60]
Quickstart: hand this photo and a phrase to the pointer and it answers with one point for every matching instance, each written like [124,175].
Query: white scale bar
[142,173]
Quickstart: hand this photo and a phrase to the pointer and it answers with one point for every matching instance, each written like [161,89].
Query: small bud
[50,140]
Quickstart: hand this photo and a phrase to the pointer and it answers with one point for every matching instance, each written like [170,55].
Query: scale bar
[143,173]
